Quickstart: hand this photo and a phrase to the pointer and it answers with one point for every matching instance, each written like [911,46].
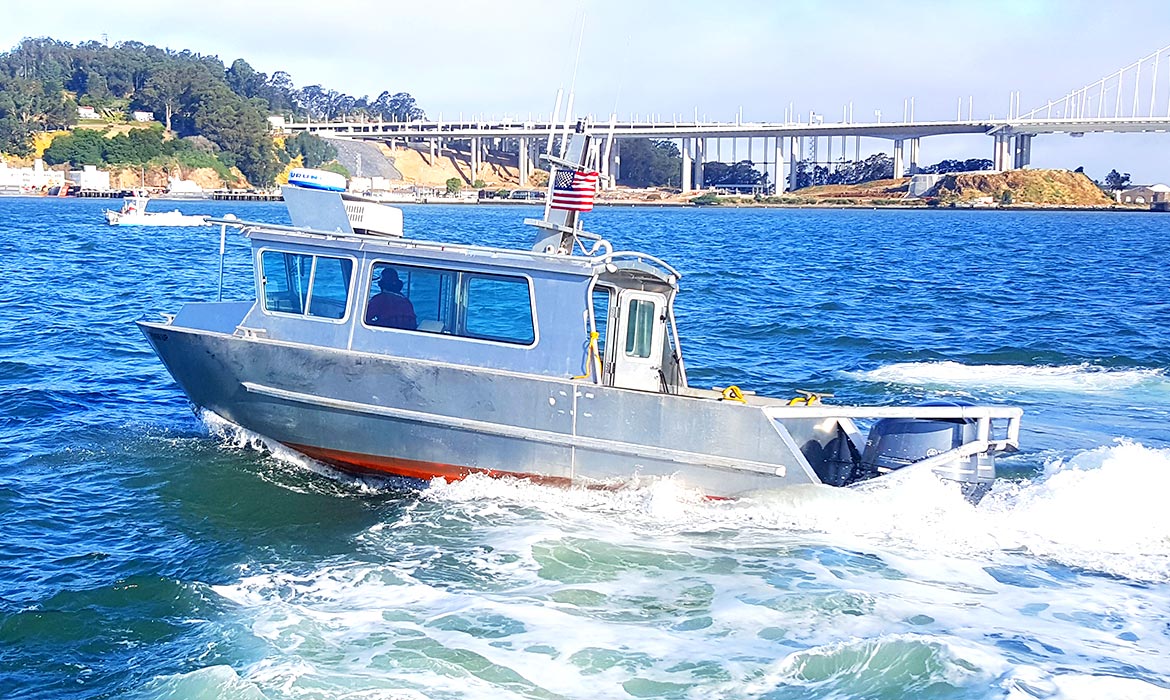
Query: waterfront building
[36,178]
[1144,194]
[89,178]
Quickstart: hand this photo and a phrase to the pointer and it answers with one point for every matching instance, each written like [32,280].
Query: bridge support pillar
[793,179]
[617,160]
[914,156]
[609,164]
[522,160]
[899,170]
[1023,151]
[1002,157]
[686,165]
[778,180]
[700,156]
[474,159]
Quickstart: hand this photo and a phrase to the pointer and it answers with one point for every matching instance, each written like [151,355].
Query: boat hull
[420,419]
[150,219]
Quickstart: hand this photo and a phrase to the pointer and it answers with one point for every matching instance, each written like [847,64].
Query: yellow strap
[809,398]
[589,358]
[733,393]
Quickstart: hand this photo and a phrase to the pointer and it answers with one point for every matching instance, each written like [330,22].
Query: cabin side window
[451,302]
[640,328]
[499,308]
[305,285]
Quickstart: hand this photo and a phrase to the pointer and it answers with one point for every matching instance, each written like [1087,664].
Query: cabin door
[641,332]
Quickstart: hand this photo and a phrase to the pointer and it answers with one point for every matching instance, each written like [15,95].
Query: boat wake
[1100,511]
[1079,378]
[236,437]
[491,588]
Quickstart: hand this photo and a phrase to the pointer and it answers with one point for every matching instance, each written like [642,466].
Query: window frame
[262,297]
[460,300]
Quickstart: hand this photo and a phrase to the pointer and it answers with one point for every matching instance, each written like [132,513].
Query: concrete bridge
[1114,104]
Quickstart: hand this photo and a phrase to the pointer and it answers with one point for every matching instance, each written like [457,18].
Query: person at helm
[389,308]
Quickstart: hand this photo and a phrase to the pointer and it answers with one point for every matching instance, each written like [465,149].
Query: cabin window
[330,291]
[451,302]
[639,328]
[305,285]
[499,308]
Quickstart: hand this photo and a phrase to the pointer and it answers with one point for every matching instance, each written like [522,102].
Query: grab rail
[983,415]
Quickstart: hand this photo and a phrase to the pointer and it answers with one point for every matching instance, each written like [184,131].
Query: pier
[244,196]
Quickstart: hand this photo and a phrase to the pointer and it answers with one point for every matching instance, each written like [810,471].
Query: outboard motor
[894,443]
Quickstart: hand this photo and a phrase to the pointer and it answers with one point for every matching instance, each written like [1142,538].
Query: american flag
[573,190]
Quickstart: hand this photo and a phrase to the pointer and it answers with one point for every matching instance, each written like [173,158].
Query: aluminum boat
[560,361]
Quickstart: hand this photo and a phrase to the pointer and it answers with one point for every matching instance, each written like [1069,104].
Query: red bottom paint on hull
[411,469]
[425,471]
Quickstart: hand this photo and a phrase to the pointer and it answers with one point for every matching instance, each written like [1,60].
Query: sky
[686,57]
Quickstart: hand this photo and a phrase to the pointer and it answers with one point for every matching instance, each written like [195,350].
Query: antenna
[572,86]
[552,123]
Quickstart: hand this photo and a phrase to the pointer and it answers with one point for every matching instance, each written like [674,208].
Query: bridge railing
[1131,92]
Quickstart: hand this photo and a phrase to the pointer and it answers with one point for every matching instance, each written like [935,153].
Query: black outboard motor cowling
[894,443]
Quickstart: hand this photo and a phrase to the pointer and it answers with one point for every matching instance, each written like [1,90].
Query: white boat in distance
[560,363]
[133,213]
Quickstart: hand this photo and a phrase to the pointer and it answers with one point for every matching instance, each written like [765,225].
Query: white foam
[908,663]
[210,682]
[1065,378]
[237,437]
[490,588]
[1086,687]
[1102,510]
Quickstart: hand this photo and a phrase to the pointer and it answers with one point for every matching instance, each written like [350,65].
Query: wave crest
[1079,378]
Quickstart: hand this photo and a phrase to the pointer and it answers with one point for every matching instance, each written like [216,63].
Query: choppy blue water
[144,554]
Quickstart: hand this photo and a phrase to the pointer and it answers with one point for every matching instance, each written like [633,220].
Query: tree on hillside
[314,100]
[1115,181]
[82,147]
[741,173]
[278,92]
[647,163]
[191,93]
[244,80]
[399,107]
[172,89]
[28,106]
[878,166]
[312,148]
[237,127]
[958,166]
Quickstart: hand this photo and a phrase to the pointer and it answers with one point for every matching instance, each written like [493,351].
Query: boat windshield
[305,285]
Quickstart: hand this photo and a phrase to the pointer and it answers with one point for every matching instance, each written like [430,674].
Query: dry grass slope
[1042,187]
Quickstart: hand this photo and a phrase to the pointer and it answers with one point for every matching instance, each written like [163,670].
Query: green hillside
[219,113]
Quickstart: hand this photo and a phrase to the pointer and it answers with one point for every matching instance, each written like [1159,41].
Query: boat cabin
[513,310]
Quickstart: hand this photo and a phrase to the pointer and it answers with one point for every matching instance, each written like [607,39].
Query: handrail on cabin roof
[595,261]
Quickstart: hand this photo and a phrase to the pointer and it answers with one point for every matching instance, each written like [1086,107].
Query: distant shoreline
[664,204]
